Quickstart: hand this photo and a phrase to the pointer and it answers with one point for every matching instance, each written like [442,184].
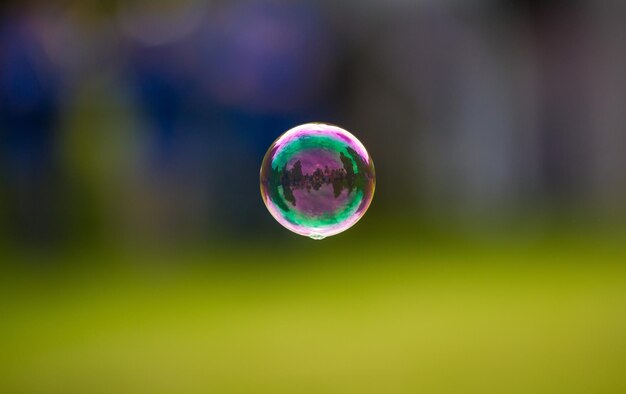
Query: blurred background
[136,254]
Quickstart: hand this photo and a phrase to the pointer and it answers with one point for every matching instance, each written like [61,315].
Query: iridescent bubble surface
[317,180]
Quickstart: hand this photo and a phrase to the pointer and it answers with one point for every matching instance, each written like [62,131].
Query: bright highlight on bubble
[317,180]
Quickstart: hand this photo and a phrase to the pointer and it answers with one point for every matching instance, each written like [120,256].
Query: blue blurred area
[216,98]
[29,126]
[147,121]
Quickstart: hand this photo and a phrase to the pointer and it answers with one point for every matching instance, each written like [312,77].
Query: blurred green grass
[396,314]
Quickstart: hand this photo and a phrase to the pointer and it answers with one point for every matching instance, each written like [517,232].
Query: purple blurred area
[146,121]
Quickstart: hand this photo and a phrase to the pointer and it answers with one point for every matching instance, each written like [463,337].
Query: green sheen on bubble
[305,142]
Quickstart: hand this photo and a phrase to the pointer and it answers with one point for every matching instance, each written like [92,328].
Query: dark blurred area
[146,121]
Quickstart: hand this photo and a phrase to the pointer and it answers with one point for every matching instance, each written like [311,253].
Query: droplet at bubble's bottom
[317,180]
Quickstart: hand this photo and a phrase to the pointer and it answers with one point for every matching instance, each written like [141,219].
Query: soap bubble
[317,180]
